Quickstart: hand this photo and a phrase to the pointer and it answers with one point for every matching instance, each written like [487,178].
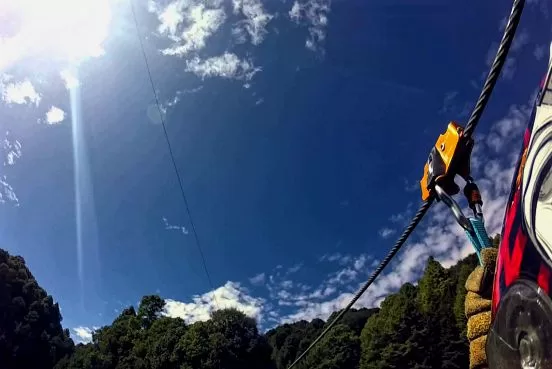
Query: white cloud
[340,258]
[7,194]
[315,14]
[402,217]
[83,334]
[55,115]
[171,227]
[452,108]
[188,24]
[255,22]
[257,280]
[521,39]
[12,150]
[294,269]
[231,295]
[227,65]
[411,186]
[299,295]
[286,284]
[386,232]
[508,70]
[19,92]
[69,78]
[343,276]
[360,262]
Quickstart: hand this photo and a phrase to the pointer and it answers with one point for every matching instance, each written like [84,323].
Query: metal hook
[458,214]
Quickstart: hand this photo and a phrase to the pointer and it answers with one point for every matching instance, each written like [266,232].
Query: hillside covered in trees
[419,327]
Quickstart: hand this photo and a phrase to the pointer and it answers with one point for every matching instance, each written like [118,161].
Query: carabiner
[458,214]
[474,227]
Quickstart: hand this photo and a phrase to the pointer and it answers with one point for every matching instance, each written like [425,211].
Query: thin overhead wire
[171,154]
[404,236]
[496,67]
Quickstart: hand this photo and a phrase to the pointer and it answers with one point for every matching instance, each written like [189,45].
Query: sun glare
[61,31]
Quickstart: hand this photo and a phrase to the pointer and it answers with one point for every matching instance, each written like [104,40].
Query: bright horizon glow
[63,31]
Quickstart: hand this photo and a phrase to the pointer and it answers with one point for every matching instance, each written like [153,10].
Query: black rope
[171,154]
[496,67]
[406,233]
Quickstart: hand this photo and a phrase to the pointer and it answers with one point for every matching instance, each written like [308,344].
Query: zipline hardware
[450,156]
[453,160]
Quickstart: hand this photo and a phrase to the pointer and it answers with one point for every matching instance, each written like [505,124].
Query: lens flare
[66,31]
[86,224]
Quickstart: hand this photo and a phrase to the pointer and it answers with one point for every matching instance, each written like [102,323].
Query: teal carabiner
[473,226]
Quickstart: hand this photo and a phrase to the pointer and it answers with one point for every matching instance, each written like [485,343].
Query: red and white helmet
[521,332]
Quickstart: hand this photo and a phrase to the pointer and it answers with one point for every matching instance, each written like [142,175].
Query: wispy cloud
[12,149]
[521,40]
[539,52]
[360,262]
[411,186]
[172,227]
[255,22]
[291,294]
[402,217]
[386,232]
[315,14]
[453,108]
[227,65]
[7,194]
[231,295]
[294,269]
[258,280]
[188,24]
[338,257]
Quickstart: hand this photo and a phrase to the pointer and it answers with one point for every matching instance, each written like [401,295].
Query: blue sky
[300,130]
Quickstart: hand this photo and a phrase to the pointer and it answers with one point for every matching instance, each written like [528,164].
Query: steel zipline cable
[475,116]
[171,154]
[496,67]
[404,236]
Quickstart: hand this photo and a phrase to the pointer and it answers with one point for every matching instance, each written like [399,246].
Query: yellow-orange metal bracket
[453,153]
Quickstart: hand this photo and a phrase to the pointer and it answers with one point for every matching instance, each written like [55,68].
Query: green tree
[31,335]
[150,308]
[288,341]
[229,340]
[395,337]
[339,349]
[158,345]
[354,319]
[419,327]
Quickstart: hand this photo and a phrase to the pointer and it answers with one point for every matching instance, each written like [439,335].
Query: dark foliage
[419,327]
[31,335]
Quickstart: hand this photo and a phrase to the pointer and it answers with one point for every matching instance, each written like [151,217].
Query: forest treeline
[420,326]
